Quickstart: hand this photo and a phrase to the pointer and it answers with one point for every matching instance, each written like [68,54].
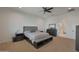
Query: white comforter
[36,36]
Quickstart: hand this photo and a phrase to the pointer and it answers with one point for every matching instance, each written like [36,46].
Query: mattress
[37,36]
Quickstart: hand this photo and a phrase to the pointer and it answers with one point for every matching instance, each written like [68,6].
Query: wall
[66,24]
[69,22]
[12,21]
[51,20]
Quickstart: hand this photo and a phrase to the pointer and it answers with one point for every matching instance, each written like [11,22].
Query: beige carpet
[57,45]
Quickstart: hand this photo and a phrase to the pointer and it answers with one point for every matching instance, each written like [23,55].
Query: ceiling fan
[47,9]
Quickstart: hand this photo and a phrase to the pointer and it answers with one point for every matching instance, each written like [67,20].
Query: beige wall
[12,20]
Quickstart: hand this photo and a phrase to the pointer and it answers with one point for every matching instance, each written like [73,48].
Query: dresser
[52,31]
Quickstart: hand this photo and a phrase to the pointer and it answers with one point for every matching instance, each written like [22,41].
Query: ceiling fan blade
[49,11]
[50,8]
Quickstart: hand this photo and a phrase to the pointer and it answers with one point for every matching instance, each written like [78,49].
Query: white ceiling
[39,11]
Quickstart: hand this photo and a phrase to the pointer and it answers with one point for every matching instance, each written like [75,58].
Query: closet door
[77,38]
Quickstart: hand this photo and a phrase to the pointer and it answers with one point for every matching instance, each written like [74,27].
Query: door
[77,38]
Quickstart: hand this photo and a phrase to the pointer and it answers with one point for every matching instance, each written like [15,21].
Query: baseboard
[5,41]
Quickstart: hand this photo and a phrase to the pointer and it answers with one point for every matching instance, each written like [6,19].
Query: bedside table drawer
[18,38]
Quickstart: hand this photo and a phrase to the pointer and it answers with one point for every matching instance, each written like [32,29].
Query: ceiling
[38,11]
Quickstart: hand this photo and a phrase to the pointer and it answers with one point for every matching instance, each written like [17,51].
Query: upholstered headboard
[30,28]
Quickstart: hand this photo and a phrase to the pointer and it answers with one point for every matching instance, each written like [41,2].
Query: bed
[35,37]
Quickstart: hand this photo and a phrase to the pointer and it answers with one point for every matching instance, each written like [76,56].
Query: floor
[58,44]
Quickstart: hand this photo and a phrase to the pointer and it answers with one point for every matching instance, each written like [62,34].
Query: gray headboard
[30,28]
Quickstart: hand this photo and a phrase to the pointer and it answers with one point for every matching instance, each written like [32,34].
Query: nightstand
[18,37]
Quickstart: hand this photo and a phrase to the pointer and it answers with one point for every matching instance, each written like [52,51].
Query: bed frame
[35,44]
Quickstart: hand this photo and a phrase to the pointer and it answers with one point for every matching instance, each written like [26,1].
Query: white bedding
[37,36]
